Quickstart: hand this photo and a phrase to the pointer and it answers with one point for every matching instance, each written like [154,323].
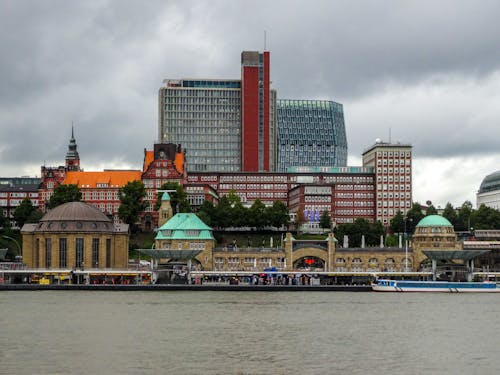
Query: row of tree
[230,212]
[464,218]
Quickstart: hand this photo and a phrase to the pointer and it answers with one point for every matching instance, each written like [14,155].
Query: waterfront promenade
[189,287]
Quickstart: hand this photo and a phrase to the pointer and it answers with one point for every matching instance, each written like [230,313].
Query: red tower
[255,137]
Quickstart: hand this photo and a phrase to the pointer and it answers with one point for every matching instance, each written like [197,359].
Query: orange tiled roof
[148,159]
[179,162]
[116,179]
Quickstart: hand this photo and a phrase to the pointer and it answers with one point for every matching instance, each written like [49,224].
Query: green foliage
[450,213]
[26,213]
[431,210]
[4,222]
[63,194]
[485,218]
[277,214]
[230,212]
[325,221]
[397,224]
[463,222]
[413,217]
[257,214]
[371,231]
[132,202]
[206,213]
[178,198]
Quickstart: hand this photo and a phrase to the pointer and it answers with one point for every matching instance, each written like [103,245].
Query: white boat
[386,285]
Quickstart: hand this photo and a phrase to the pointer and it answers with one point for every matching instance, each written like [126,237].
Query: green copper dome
[434,221]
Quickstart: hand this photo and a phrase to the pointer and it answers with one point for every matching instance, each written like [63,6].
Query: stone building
[75,235]
[433,233]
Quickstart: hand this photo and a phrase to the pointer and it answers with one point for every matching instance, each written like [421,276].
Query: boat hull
[434,286]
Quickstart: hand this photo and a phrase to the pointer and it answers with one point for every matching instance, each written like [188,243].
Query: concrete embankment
[186,287]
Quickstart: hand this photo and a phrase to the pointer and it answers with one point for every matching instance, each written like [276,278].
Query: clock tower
[72,157]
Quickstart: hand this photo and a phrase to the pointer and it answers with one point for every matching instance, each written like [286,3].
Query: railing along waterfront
[248,249]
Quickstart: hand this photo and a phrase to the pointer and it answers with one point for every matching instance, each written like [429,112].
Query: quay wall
[190,287]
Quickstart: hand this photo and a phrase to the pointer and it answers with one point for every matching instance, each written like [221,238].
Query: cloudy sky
[422,72]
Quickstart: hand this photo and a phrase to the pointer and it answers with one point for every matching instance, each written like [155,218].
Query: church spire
[72,157]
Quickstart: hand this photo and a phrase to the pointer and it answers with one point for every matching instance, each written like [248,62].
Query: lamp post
[406,245]
[19,251]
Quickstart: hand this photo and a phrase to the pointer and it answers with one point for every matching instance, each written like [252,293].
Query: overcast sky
[422,72]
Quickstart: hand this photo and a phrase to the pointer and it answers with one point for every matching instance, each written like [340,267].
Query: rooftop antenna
[265,40]
[389,135]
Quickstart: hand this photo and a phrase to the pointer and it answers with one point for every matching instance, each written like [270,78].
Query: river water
[197,332]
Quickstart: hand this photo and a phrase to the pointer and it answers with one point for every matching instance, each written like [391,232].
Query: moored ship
[386,285]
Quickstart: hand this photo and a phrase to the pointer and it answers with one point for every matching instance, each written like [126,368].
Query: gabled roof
[116,179]
[165,196]
[149,157]
[185,226]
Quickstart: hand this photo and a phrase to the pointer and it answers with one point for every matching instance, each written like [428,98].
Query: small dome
[75,211]
[490,183]
[434,221]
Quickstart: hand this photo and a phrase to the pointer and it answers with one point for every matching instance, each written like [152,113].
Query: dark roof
[78,211]
[450,254]
[15,188]
[490,182]
[75,217]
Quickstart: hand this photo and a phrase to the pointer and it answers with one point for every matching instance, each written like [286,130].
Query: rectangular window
[95,252]
[48,252]
[63,242]
[108,252]
[79,252]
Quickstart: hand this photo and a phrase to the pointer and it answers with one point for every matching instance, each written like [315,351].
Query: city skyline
[421,73]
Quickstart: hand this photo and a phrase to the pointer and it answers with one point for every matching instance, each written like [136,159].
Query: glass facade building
[310,133]
[204,117]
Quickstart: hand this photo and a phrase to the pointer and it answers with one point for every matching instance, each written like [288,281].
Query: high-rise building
[255,112]
[392,164]
[204,117]
[310,133]
[224,125]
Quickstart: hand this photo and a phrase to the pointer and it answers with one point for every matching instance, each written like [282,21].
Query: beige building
[75,235]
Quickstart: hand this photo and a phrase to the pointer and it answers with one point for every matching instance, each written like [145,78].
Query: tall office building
[392,164]
[204,117]
[224,125]
[310,133]
[255,119]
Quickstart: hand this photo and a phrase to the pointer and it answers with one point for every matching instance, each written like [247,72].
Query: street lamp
[19,252]
[406,245]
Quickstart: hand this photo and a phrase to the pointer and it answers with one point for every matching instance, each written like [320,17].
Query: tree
[485,218]
[178,198]
[464,217]
[3,220]
[132,202]
[413,217]
[450,214]
[257,214]
[397,224]
[206,213]
[222,217]
[325,221]
[63,194]
[278,215]
[26,213]
[431,210]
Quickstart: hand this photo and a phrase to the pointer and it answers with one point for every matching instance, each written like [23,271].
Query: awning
[454,254]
